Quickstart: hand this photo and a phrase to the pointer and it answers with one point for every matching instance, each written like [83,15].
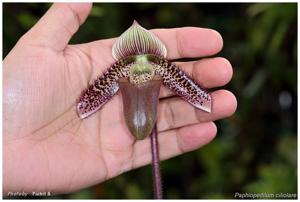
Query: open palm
[48,148]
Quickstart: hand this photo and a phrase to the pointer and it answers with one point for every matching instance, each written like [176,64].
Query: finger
[208,73]
[175,112]
[58,25]
[175,142]
[189,42]
[180,42]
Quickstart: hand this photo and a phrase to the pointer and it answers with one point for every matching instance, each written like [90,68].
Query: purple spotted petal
[102,89]
[180,83]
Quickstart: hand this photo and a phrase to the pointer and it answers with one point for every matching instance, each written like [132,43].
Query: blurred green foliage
[256,149]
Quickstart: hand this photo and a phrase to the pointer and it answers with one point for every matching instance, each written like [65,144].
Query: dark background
[255,150]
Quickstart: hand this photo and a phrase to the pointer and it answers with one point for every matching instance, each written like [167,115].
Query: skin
[46,147]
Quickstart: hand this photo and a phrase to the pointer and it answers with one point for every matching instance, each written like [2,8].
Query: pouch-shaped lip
[140,105]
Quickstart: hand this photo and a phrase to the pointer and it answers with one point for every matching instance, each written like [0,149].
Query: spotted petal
[180,83]
[102,89]
[136,40]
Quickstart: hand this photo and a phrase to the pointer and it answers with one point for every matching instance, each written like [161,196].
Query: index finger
[189,42]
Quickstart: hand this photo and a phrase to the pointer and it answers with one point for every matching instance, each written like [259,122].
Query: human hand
[48,148]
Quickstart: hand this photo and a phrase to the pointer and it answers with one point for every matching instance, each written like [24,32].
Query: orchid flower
[140,70]
[141,65]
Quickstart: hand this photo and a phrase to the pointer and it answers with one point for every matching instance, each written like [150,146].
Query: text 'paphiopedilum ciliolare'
[140,70]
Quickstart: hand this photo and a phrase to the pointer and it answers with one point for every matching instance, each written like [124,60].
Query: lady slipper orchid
[140,69]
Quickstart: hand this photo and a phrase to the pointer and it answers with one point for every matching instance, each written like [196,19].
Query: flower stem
[156,175]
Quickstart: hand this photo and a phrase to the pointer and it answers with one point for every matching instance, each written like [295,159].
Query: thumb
[58,25]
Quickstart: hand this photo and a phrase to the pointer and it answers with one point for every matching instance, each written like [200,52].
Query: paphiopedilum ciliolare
[141,66]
